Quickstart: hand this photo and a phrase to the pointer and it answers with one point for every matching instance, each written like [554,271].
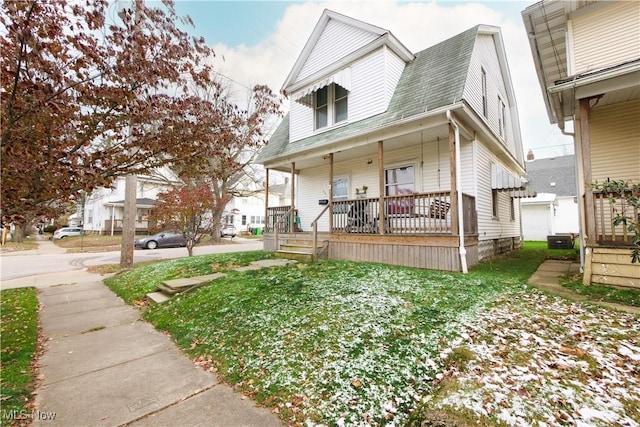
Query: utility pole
[128,221]
[130,208]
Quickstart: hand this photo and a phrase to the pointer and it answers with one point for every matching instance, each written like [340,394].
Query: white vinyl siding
[373,81]
[394,67]
[434,175]
[615,142]
[607,35]
[336,41]
[485,57]
[490,228]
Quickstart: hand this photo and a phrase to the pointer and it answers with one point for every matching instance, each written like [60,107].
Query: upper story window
[484,92]
[501,117]
[331,105]
[322,107]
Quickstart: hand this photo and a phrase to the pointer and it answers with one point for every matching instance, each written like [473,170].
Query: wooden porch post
[266,201]
[381,218]
[292,219]
[330,192]
[585,143]
[454,185]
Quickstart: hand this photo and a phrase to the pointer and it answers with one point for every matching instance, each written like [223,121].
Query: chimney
[530,156]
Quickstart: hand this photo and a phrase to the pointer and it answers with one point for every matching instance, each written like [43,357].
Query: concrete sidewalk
[103,366]
[547,278]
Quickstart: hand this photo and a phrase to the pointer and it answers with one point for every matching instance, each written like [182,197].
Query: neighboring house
[246,210]
[283,191]
[587,56]
[396,157]
[554,209]
[104,207]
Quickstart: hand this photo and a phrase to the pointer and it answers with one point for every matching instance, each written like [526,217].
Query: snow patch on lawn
[540,360]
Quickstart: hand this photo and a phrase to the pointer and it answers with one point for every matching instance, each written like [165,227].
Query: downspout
[462,249]
[561,124]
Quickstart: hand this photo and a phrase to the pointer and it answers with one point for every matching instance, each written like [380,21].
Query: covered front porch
[416,230]
[409,199]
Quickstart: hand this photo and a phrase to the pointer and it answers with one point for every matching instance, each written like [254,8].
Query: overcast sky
[257,42]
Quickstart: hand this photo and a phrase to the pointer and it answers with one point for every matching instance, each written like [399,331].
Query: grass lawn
[26,245]
[348,343]
[601,292]
[19,331]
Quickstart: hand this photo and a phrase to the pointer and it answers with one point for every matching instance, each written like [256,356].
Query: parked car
[63,232]
[164,239]
[228,230]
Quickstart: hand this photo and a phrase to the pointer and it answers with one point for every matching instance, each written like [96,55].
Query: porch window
[484,92]
[399,182]
[331,105]
[340,192]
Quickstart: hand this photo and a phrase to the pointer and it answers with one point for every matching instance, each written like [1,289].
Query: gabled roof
[378,36]
[554,175]
[433,80]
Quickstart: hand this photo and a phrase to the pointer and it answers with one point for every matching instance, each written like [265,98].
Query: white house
[246,210]
[399,157]
[554,209]
[104,207]
[587,58]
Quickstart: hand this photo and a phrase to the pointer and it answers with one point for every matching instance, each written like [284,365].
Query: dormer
[347,71]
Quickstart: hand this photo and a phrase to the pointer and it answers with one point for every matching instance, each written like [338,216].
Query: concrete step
[180,285]
[158,297]
[297,255]
[169,288]
[298,247]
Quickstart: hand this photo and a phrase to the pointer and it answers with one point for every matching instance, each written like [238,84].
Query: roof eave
[378,133]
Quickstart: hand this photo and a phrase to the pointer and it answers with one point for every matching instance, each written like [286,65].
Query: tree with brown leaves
[85,100]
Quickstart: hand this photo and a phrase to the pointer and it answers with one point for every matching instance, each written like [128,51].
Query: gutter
[383,131]
[462,249]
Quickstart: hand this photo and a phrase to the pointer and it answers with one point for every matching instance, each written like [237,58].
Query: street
[50,259]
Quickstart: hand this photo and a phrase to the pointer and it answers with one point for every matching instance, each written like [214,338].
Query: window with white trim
[494,203]
[330,106]
[340,189]
[484,92]
[501,117]
[399,181]
[512,210]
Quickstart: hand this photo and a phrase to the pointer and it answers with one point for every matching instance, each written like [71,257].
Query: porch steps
[169,288]
[301,250]
[297,255]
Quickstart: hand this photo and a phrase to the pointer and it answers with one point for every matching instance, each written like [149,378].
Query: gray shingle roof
[434,79]
[559,170]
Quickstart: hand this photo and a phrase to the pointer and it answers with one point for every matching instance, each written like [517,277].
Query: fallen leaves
[581,365]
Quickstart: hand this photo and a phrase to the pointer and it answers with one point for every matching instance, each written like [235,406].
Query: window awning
[504,181]
[342,78]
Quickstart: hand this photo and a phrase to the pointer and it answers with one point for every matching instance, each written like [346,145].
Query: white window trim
[485,106]
[331,108]
[337,178]
[502,123]
[399,165]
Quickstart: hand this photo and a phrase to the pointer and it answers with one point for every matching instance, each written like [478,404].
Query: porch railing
[278,217]
[418,213]
[606,210]
[141,226]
